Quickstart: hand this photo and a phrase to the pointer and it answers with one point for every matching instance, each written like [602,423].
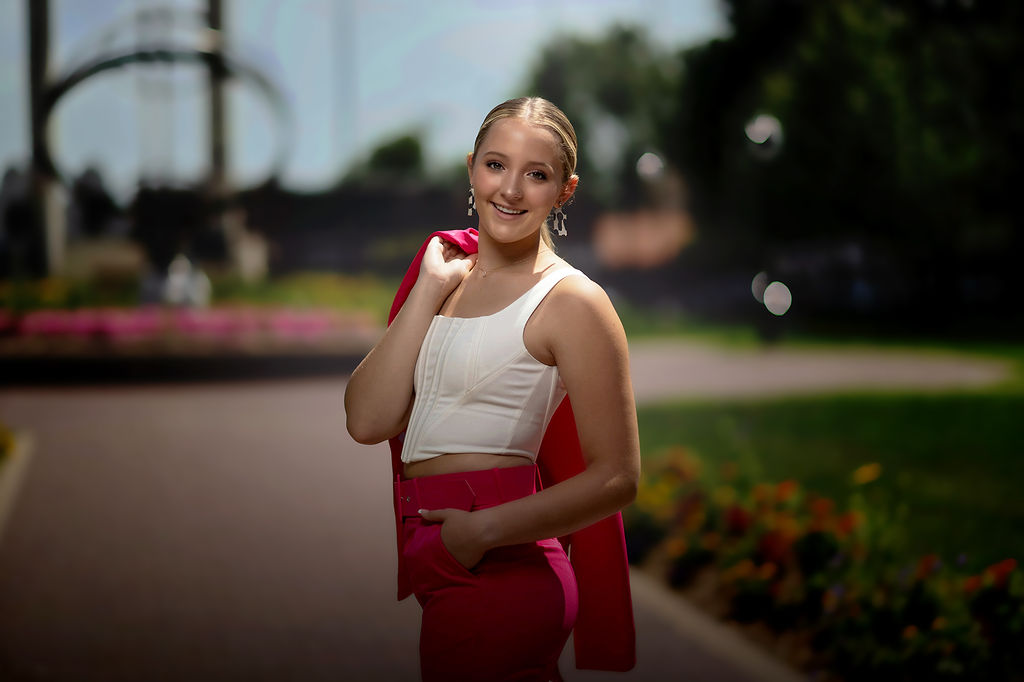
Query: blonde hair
[540,112]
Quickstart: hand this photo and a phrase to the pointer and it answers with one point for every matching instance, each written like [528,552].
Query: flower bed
[826,585]
[174,330]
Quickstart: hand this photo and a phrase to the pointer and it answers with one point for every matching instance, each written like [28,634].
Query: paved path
[668,369]
[232,531]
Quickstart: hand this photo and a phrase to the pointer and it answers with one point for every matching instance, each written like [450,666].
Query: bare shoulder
[577,314]
[578,298]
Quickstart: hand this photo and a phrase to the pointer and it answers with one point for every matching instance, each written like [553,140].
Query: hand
[446,263]
[459,534]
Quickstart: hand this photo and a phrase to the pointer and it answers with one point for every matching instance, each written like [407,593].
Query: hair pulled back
[539,112]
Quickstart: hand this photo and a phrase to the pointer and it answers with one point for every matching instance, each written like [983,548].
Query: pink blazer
[604,635]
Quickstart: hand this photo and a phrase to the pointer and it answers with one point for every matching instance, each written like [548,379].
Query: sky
[355,73]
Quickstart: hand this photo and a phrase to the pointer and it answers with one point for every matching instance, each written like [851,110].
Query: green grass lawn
[954,462]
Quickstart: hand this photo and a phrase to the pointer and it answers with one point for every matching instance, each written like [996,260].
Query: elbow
[623,487]
[363,435]
[360,421]
[629,486]
[363,431]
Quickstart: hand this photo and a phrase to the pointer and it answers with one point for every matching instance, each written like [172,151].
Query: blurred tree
[617,92]
[399,158]
[94,204]
[902,134]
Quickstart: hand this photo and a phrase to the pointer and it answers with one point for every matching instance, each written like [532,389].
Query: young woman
[490,331]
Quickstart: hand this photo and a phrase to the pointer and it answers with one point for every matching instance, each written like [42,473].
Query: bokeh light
[758,285]
[764,133]
[650,166]
[777,298]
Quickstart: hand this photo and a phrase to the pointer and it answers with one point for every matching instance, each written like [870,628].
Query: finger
[434,514]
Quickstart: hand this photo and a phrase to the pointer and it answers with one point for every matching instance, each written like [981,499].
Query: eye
[494,165]
[538,175]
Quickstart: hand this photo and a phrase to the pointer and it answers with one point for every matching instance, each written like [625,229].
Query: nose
[511,188]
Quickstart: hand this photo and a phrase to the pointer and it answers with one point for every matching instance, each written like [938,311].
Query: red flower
[927,565]
[972,584]
[847,523]
[822,507]
[774,546]
[737,520]
[1001,572]
[786,490]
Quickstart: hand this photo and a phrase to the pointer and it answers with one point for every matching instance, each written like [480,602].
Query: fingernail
[420,511]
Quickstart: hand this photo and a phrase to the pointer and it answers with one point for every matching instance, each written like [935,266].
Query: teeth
[508,211]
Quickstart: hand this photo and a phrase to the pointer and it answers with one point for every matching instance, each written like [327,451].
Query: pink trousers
[508,617]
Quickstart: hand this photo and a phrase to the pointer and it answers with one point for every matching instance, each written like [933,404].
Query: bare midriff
[463,461]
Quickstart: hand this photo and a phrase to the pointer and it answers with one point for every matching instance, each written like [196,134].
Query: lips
[508,211]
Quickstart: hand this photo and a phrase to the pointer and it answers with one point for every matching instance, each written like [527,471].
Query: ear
[568,189]
[469,163]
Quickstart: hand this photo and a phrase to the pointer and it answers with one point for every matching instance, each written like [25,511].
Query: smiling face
[516,175]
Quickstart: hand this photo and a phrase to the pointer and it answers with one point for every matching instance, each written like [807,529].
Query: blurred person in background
[490,331]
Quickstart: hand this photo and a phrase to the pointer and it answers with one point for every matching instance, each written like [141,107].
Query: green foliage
[402,156]
[363,293]
[397,159]
[21,295]
[900,121]
[311,289]
[953,460]
[613,89]
[839,578]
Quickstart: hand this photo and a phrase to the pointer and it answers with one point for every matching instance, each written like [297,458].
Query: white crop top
[478,389]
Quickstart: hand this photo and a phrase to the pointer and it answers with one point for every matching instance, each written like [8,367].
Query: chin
[508,234]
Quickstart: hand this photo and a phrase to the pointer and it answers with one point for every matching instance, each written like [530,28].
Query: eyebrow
[528,163]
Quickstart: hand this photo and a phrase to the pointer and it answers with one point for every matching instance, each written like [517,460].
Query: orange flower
[767,571]
[822,507]
[710,541]
[788,525]
[785,491]
[683,461]
[690,512]
[829,601]
[724,495]
[742,569]
[763,493]
[867,473]
[676,547]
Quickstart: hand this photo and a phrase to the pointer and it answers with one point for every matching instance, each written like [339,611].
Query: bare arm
[583,333]
[379,394]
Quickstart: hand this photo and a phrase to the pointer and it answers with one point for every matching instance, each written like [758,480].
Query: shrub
[797,562]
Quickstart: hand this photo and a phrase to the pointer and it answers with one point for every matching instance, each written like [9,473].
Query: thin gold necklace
[484,271]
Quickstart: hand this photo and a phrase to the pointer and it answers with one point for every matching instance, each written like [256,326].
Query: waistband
[465,490]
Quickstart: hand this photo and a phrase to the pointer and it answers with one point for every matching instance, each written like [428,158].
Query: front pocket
[449,557]
[430,565]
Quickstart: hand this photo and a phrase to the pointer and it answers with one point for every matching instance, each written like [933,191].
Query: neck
[494,254]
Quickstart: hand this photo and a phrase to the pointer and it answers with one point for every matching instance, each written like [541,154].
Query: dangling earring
[559,222]
[471,202]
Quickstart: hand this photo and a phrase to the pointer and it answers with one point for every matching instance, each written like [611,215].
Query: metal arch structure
[214,60]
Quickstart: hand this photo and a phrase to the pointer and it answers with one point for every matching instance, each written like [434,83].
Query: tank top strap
[534,296]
